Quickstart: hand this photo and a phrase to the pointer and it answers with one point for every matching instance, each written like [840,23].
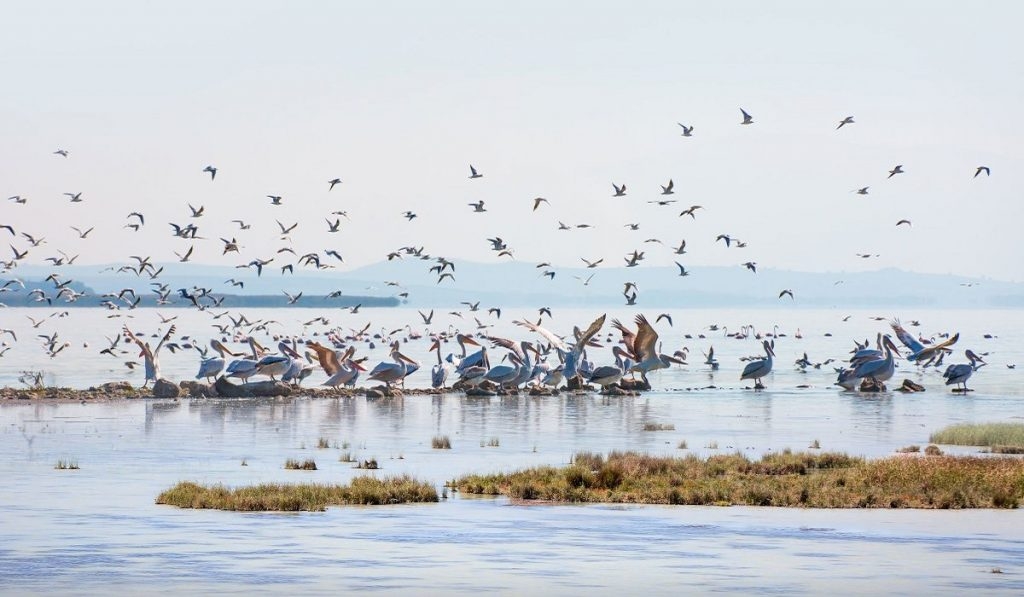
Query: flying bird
[81,234]
[537,201]
[751,265]
[478,207]
[982,169]
[862,191]
[746,117]
[847,120]
[473,173]
[212,171]
[907,222]
[275,199]
[785,292]
[408,215]
[687,130]
[667,189]
[61,152]
[619,191]
[897,170]
[333,182]
[682,270]
[75,197]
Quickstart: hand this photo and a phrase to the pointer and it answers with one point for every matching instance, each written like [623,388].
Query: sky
[553,100]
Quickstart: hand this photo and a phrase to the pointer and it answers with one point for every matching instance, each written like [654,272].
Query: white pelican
[757,369]
[151,356]
[396,371]
[880,369]
[959,374]
[245,368]
[439,373]
[213,366]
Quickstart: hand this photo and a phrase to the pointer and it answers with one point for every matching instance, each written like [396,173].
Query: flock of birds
[636,353]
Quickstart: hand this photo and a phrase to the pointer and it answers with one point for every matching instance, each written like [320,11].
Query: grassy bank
[1001,437]
[828,480]
[294,497]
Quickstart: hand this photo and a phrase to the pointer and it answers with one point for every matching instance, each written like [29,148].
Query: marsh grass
[659,427]
[65,464]
[981,434]
[323,443]
[816,480]
[682,445]
[370,464]
[305,496]
[294,465]
[712,446]
[815,445]
[1007,449]
[346,457]
[494,442]
[441,442]
[932,450]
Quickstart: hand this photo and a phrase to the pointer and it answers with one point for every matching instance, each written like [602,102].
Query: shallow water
[97,529]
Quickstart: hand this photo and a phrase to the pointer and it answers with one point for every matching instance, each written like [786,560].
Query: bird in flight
[592,264]
[666,317]
[847,120]
[537,201]
[408,215]
[907,222]
[785,292]
[667,189]
[75,197]
[212,171]
[687,130]
[619,191]
[690,211]
[82,234]
[681,249]
[275,199]
[473,173]
[751,265]
[61,152]
[862,191]
[333,227]
[682,270]
[897,170]
[333,182]
[478,207]
[982,169]
[746,117]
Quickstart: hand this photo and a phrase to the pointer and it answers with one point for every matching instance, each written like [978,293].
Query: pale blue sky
[557,100]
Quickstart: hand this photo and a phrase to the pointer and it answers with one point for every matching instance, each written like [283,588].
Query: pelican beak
[358,366]
[468,340]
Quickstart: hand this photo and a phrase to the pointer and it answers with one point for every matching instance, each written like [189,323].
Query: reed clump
[369,464]
[441,442]
[980,434]
[65,464]
[323,443]
[363,491]
[813,480]
[659,427]
[295,465]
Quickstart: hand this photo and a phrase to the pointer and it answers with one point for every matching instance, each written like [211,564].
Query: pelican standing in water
[396,371]
[151,355]
[959,374]
[439,373]
[755,370]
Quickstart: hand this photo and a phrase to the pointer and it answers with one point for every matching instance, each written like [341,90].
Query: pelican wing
[905,337]
[590,332]
[547,335]
[327,358]
[646,342]
[628,338]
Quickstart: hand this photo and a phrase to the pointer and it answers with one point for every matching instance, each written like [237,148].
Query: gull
[184,258]
[751,265]
[847,120]
[907,222]
[235,282]
[212,171]
[333,182]
[61,152]
[135,214]
[18,256]
[690,211]
[286,229]
[785,292]
[619,191]
[343,214]
[632,226]
[549,274]
[682,270]
[687,130]
[445,275]
[292,299]
[663,201]
[592,264]
[10,228]
[862,191]
[725,237]
[897,170]
[583,226]
[667,189]
[537,201]
[408,215]
[629,285]
[275,199]
[333,227]
[33,240]
[586,281]
[478,207]
[229,246]
[197,213]
[426,318]
[18,199]
[982,169]
[681,249]
[80,233]
[473,173]
[746,117]
[334,254]
[666,317]
[242,225]
[653,240]
[75,197]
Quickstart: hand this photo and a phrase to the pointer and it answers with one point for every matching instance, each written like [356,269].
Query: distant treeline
[21,298]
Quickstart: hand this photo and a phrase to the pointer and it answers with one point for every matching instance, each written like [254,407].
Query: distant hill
[522,284]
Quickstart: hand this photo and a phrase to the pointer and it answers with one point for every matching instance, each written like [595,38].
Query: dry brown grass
[306,496]
[820,480]
[295,465]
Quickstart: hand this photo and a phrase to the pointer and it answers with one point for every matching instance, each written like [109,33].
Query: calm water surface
[97,530]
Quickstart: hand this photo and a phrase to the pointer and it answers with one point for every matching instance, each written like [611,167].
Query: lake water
[97,529]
